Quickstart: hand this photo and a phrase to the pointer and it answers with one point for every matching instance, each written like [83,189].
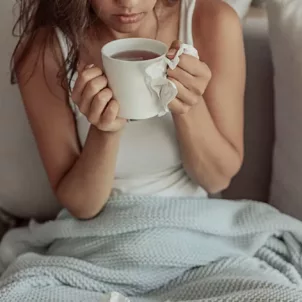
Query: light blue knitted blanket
[157,249]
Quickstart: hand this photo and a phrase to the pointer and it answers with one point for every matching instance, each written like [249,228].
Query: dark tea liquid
[135,55]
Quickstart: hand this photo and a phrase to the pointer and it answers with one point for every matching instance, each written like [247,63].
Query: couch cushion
[253,181]
[285,18]
[24,188]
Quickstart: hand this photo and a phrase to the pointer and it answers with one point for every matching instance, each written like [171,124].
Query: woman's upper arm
[220,44]
[48,111]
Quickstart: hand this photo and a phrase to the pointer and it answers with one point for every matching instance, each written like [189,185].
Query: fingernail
[89,66]
[172,52]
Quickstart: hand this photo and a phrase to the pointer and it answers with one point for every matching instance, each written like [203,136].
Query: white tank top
[148,160]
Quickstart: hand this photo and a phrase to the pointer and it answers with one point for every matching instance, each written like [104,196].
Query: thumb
[175,46]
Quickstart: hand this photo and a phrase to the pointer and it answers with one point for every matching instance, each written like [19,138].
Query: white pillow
[285,19]
[24,188]
[240,6]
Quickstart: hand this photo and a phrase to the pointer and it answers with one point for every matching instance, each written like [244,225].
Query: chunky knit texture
[157,249]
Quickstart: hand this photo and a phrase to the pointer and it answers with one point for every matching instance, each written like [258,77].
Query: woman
[87,150]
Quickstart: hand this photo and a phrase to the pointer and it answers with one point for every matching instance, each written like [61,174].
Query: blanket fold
[157,249]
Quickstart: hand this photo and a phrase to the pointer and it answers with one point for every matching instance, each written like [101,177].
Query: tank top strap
[186,21]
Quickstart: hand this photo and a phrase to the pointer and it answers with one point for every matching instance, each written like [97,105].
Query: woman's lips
[129,19]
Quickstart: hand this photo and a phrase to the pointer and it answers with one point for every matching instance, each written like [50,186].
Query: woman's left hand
[191,78]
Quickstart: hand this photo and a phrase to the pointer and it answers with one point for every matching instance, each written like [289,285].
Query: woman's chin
[126,28]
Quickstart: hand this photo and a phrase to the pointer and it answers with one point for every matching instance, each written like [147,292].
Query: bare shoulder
[215,23]
[40,55]
[215,13]
[214,8]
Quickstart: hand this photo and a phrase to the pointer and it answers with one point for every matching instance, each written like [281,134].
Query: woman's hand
[94,99]
[191,78]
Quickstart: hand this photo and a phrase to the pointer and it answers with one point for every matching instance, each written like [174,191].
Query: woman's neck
[149,28]
[162,24]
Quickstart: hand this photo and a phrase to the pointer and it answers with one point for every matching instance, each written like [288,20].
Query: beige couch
[253,182]
[24,189]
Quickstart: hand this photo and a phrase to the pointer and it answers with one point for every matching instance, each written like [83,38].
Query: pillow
[24,188]
[285,21]
[240,6]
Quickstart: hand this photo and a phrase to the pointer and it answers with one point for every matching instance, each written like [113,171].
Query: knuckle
[84,76]
[113,108]
[184,109]
[102,124]
[210,75]
[92,119]
[93,86]
[195,99]
[100,100]
[199,89]
[207,72]
[98,70]
[108,116]
[104,81]
[196,90]
[108,92]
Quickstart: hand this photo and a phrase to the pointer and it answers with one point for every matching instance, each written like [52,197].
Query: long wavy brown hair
[72,17]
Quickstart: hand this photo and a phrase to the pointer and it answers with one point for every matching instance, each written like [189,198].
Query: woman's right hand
[94,99]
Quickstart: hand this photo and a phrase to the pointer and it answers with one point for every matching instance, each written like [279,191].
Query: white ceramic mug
[129,81]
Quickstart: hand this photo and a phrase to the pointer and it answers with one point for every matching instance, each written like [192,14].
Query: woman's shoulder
[36,53]
[215,24]
[214,11]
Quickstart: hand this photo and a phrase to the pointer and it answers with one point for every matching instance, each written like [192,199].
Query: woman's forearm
[208,157]
[85,189]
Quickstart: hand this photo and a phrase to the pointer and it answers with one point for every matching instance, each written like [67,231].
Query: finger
[185,95]
[110,120]
[178,107]
[194,66]
[98,105]
[175,46]
[182,76]
[118,123]
[91,89]
[195,84]
[84,77]
[110,113]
